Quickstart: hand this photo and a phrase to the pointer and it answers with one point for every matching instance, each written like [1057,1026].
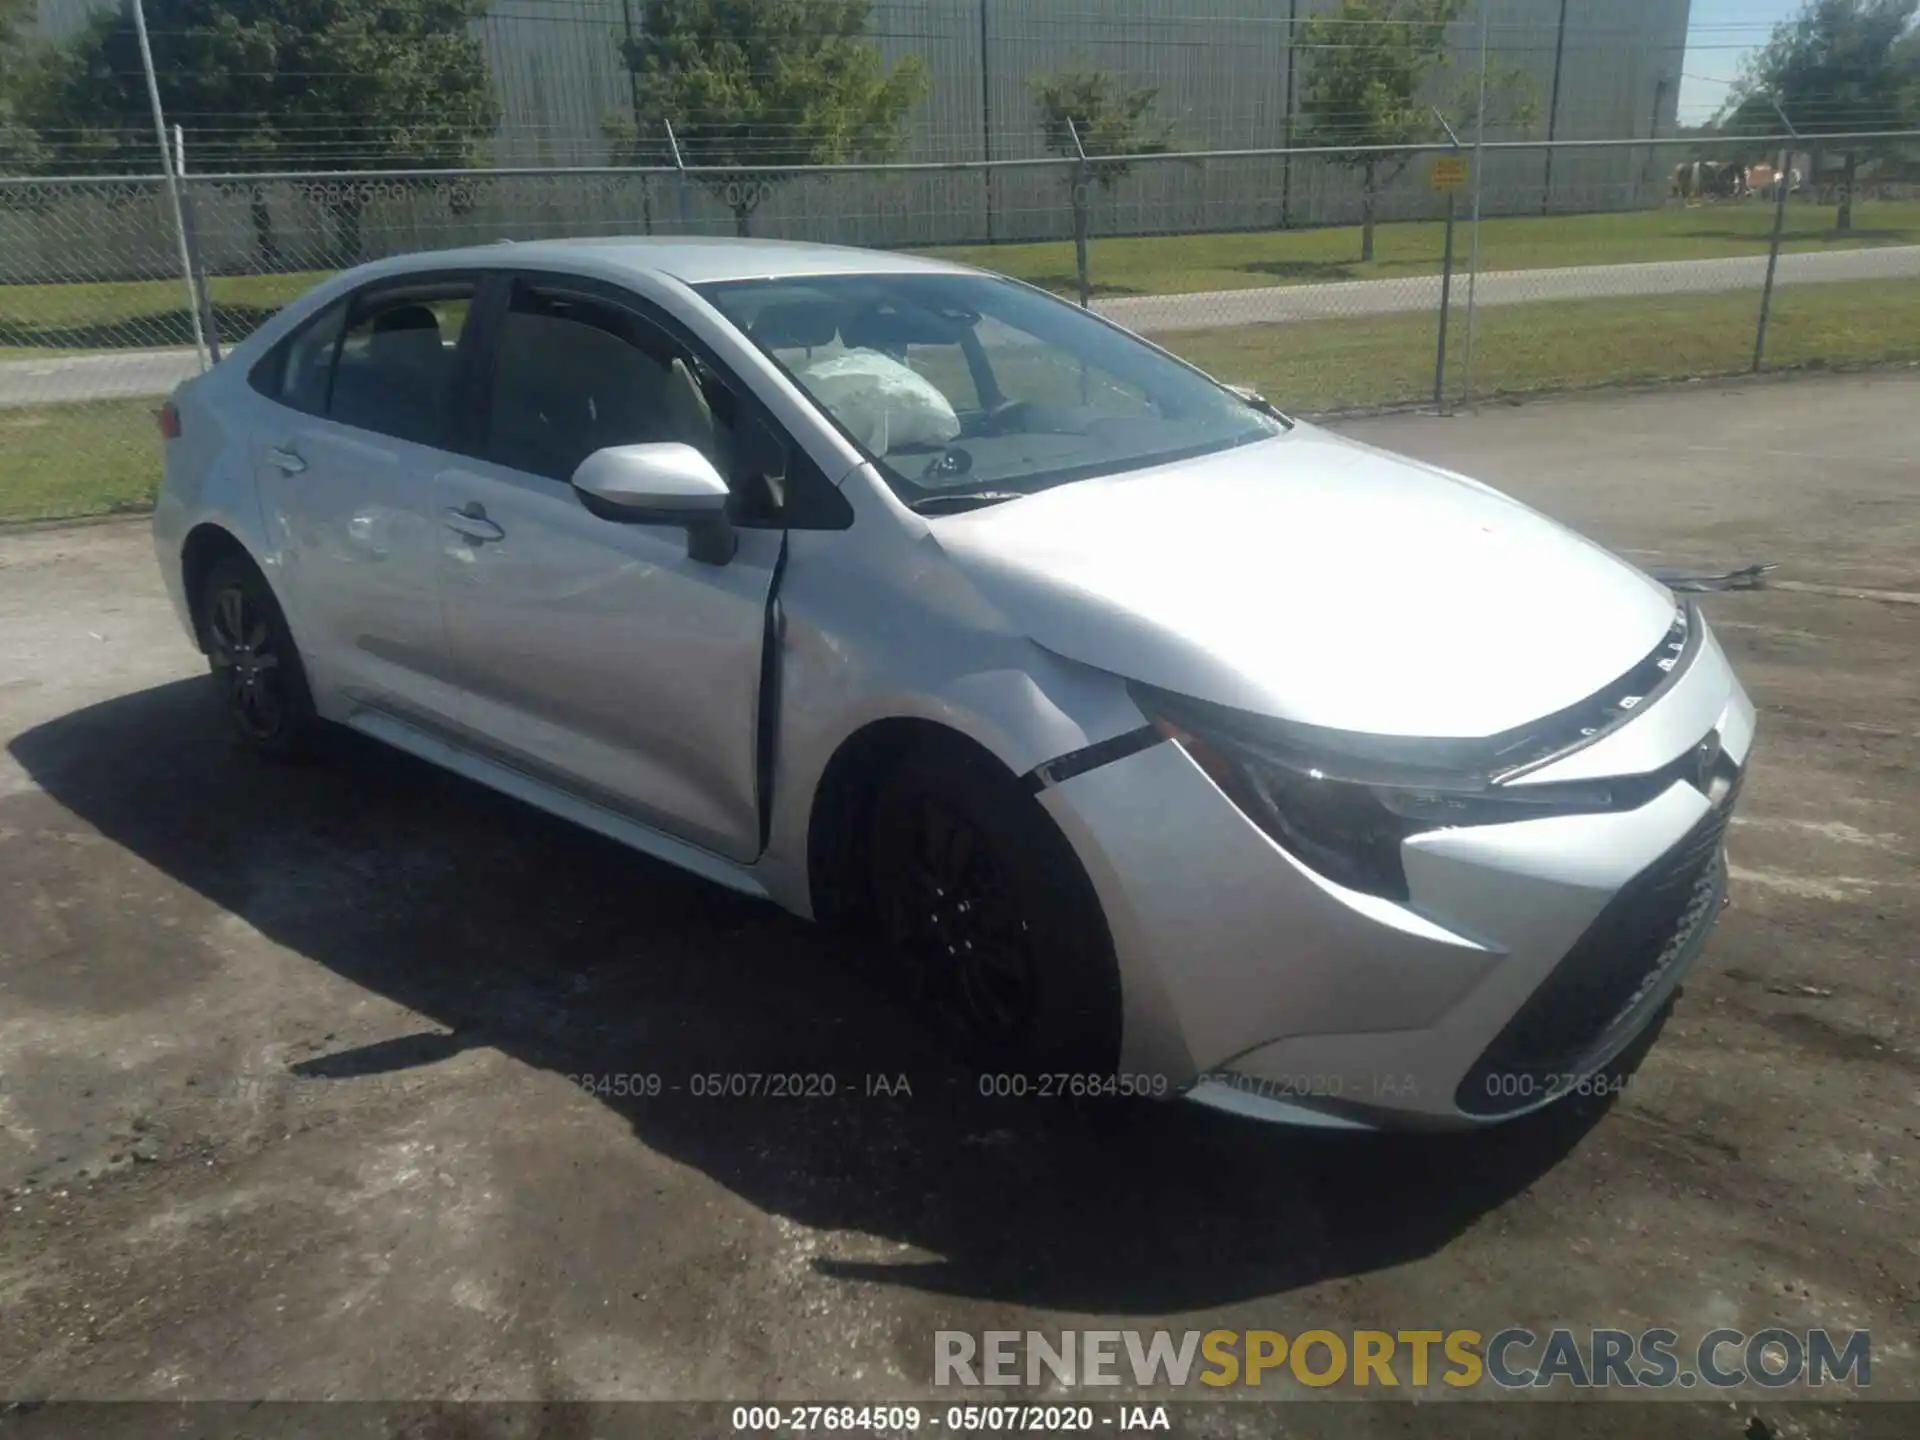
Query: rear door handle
[285,460]
[471,521]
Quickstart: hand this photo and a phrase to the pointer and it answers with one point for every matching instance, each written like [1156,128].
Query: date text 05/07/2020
[958,1419]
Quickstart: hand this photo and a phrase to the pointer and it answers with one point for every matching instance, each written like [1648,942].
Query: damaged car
[1172,744]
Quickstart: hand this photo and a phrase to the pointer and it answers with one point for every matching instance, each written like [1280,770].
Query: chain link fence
[97,309]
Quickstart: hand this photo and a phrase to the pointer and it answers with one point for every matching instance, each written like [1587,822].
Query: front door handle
[285,460]
[471,521]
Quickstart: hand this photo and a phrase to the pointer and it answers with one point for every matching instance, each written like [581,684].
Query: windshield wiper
[1260,402]
[961,500]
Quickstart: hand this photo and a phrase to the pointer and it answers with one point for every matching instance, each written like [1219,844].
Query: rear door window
[395,370]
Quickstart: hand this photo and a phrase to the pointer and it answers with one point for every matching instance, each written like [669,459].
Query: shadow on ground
[1761,239]
[570,954]
[1307,270]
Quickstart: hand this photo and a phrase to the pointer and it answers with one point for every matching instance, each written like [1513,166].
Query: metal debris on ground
[1748,577]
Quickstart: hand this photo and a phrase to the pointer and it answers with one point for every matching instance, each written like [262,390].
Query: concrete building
[1228,76]
[1228,73]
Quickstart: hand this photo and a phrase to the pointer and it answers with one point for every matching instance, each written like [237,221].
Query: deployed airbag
[882,402]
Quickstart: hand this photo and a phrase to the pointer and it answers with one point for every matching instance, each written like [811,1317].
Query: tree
[279,85]
[19,145]
[1377,71]
[759,85]
[1091,113]
[1837,66]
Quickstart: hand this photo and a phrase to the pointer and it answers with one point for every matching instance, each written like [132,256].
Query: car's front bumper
[1527,955]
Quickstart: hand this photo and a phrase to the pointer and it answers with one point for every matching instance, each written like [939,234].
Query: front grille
[1624,955]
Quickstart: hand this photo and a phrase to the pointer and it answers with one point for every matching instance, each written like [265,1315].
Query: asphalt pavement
[355,1081]
[117,374]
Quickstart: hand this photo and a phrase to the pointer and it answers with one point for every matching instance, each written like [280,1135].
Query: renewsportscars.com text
[1513,1359]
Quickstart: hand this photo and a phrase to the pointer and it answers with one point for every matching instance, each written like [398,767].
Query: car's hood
[1319,580]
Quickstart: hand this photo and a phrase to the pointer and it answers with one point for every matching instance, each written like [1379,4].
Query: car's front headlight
[1342,803]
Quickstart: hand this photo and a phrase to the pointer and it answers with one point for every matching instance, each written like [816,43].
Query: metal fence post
[680,179]
[633,97]
[1479,169]
[1446,304]
[986,120]
[190,232]
[1286,163]
[172,180]
[1446,285]
[1781,176]
[1553,110]
[1082,198]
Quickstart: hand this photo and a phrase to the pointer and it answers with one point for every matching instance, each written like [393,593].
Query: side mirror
[667,484]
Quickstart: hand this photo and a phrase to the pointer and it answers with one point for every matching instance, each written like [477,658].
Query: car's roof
[692,259]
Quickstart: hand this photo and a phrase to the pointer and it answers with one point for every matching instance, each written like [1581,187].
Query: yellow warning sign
[1450,172]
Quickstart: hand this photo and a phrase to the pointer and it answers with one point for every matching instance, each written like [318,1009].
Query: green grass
[40,320]
[102,456]
[1177,264]
[91,458]
[43,320]
[1326,365]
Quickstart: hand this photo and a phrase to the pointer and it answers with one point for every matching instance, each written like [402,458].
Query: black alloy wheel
[977,890]
[960,921]
[256,669]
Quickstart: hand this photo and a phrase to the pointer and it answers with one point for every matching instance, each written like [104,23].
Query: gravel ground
[285,1053]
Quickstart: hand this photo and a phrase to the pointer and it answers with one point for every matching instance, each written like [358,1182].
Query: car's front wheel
[257,674]
[978,890]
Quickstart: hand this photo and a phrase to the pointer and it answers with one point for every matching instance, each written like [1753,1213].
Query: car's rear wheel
[257,674]
[979,892]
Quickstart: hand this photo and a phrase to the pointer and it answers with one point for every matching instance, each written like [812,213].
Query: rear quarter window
[296,371]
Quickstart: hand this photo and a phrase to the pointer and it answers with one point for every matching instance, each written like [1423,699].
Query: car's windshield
[966,389]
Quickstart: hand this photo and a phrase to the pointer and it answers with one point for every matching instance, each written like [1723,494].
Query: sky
[1720,34]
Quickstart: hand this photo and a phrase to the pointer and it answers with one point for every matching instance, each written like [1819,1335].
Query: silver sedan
[1177,746]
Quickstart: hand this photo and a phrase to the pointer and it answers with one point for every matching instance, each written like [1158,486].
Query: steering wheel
[953,461]
[995,418]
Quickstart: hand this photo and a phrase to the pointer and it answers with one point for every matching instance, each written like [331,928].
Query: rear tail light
[168,415]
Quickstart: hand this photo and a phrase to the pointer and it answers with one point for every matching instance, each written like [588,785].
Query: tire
[256,670]
[978,891]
